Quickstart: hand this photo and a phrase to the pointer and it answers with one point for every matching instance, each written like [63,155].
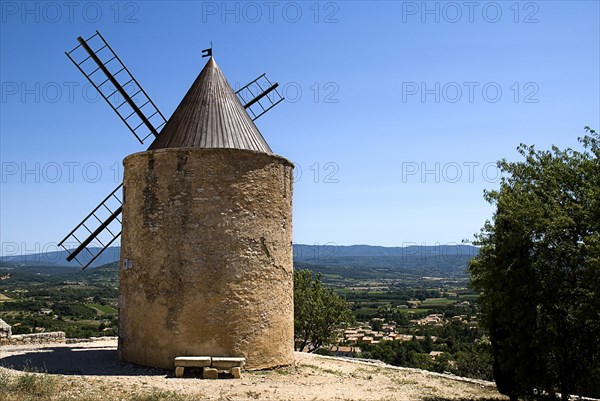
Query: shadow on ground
[458,399]
[99,361]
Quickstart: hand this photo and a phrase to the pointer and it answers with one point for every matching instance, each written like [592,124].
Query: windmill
[98,62]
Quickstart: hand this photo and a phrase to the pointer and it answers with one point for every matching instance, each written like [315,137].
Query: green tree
[538,272]
[318,312]
[477,363]
[377,324]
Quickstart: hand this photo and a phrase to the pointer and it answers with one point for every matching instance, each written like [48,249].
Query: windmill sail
[107,73]
[259,96]
[96,232]
[113,81]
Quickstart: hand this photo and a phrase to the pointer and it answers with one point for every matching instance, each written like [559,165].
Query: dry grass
[32,386]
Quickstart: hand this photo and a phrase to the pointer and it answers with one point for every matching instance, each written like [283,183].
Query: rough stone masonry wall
[35,338]
[206,257]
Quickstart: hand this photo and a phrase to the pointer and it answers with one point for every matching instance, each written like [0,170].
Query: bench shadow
[78,361]
[196,373]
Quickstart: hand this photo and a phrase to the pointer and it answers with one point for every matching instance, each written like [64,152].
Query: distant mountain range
[332,251]
[378,262]
[436,257]
[59,258]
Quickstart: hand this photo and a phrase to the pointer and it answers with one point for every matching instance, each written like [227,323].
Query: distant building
[345,351]
[435,354]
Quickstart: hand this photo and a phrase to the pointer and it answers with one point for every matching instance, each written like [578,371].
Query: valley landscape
[412,305]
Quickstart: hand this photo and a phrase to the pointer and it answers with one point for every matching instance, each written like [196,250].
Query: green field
[103,309]
[436,302]
[416,310]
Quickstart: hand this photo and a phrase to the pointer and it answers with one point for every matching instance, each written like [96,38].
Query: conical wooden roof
[210,116]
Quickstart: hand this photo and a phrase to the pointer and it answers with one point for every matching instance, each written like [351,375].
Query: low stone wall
[89,340]
[36,338]
[7,338]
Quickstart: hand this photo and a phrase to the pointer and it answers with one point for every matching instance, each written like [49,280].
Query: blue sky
[395,114]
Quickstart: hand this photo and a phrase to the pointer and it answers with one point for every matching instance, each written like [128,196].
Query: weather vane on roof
[208,52]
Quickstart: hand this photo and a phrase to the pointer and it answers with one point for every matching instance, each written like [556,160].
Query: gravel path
[312,378]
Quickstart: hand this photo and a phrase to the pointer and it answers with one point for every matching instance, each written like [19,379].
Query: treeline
[98,293]
[396,296]
[27,324]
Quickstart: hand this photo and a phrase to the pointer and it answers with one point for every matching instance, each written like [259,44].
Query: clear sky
[395,114]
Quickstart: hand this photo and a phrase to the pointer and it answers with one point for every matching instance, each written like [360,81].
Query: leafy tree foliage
[377,324]
[318,312]
[538,271]
[465,351]
[477,362]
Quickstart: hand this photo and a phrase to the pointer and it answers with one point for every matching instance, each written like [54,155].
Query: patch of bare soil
[88,368]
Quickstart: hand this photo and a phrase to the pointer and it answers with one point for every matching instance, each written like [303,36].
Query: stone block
[210,373]
[179,371]
[236,372]
[227,362]
[193,361]
[5,329]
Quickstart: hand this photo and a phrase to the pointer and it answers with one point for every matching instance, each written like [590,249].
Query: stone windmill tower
[206,248]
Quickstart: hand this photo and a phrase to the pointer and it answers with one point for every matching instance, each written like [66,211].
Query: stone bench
[210,365]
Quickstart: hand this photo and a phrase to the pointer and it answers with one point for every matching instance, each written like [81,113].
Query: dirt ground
[312,378]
